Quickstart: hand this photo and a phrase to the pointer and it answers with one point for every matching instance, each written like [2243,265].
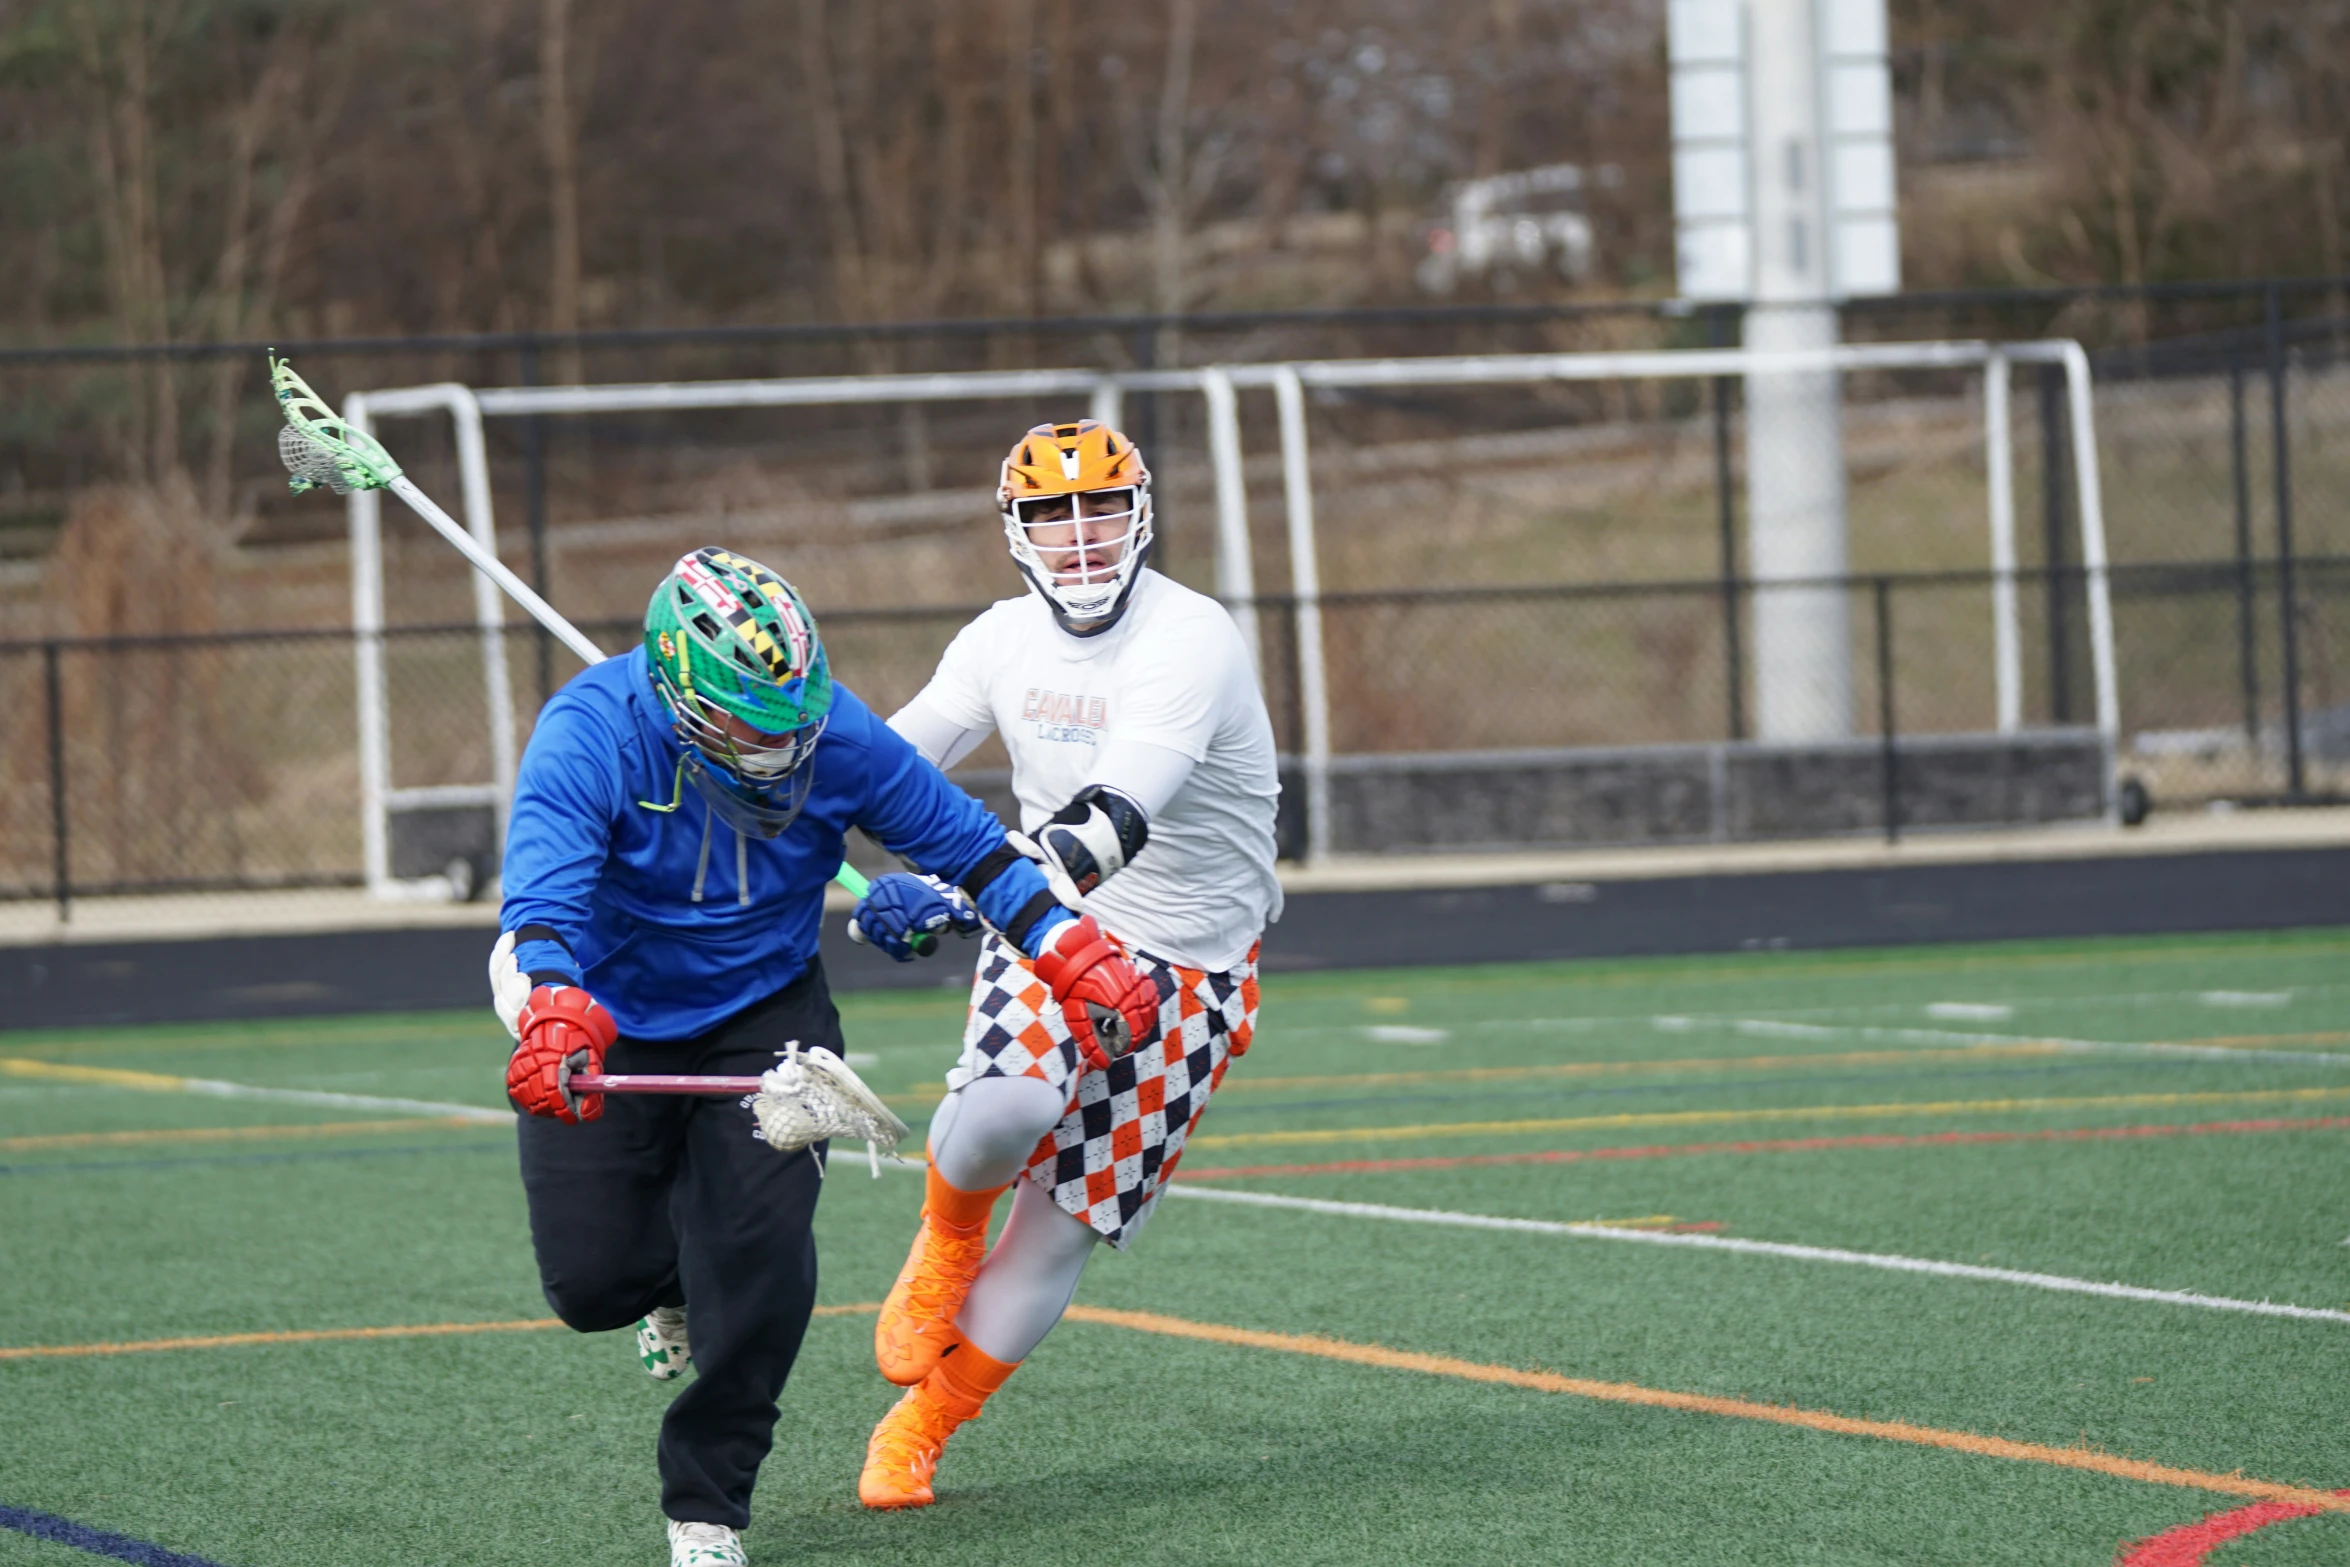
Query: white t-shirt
[1174,673]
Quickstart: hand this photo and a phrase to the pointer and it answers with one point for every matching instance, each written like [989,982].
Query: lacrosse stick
[808,1096]
[322,451]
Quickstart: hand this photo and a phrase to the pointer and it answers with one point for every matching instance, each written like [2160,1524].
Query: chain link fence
[1537,614]
[1472,717]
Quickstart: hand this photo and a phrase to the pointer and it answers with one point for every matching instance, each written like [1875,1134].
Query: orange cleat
[903,1452]
[917,1322]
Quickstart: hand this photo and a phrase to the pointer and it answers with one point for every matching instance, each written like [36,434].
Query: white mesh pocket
[812,1095]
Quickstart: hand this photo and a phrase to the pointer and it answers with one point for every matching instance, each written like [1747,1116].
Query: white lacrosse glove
[811,1095]
[510,988]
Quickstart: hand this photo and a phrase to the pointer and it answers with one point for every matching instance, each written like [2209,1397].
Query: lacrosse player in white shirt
[1144,765]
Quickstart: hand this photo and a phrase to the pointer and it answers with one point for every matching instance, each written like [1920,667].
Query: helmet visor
[732,746]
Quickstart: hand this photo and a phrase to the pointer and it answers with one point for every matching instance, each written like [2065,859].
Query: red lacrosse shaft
[648,1083]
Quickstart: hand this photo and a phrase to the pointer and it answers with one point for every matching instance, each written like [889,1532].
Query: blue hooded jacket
[666,915]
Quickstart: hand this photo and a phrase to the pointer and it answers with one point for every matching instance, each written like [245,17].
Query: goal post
[1219,388]
[1994,360]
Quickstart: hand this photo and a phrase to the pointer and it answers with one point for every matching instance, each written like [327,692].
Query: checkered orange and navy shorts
[1115,1149]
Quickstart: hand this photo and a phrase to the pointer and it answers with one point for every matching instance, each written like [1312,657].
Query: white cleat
[661,1345]
[705,1545]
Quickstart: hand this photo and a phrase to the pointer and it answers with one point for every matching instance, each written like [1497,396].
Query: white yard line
[1944,1036]
[1952,1011]
[214,1088]
[1970,1011]
[1865,1259]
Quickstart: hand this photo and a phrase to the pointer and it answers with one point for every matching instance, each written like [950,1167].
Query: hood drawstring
[702,870]
[742,850]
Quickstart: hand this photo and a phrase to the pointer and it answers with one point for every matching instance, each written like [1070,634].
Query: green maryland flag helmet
[726,636]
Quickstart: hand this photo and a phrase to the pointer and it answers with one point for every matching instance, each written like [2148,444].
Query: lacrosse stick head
[318,447]
[812,1095]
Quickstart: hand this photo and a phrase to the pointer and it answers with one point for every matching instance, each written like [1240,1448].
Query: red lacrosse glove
[563,1032]
[1110,1008]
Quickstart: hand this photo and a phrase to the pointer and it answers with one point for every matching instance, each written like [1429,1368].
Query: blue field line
[1226,1108]
[77,1166]
[98,1542]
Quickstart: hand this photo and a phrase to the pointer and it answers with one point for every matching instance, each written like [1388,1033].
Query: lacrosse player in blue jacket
[678,815]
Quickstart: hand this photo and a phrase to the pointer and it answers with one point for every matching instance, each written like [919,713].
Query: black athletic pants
[668,1200]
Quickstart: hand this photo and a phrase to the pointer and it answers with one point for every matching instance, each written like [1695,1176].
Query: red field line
[2078,1134]
[2191,1544]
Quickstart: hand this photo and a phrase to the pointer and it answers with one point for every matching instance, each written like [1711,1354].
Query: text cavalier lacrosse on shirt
[1056,715]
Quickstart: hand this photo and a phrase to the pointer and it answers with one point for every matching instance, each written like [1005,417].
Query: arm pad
[1092,838]
[1014,896]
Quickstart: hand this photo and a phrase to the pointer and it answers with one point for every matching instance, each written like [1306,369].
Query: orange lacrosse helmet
[1083,555]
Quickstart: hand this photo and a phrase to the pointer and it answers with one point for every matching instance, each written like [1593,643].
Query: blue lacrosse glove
[905,915]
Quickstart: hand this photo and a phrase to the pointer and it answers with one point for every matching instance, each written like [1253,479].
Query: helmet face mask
[737,665]
[758,809]
[1076,503]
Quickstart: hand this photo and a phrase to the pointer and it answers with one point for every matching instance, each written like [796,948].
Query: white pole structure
[2007,654]
[1313,687]
[1236,573]
[2092,501]
[365,511]
[478,542]
[1219,388]
[489,607]
[1794,418]
[1109,403]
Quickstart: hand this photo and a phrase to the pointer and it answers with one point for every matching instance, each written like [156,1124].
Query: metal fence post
[534,494]
[1888,755]
[2282,462]
[62,863]
[1726,507]
[2247,635]
[1144,431]
[2054,450]
[1236,572]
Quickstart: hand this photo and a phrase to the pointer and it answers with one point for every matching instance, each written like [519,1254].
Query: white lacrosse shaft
[493,568]
[657,1083]
[541,611]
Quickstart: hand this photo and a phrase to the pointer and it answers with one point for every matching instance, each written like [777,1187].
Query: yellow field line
[1503,1074]
[321,1336]
[1343,1350]
[230,1134]
[254,1038]
[1708,1404]
[106,1076]
[1580,1123]
[1495,1074]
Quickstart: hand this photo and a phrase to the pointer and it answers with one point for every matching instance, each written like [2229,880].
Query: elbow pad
[1091,839]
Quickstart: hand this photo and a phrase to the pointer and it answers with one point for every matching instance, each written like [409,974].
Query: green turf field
[1284,1385]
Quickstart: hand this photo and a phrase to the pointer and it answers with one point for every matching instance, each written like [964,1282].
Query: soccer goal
[1301,649]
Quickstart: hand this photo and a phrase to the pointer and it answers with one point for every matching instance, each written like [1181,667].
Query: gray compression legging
[980,1138]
